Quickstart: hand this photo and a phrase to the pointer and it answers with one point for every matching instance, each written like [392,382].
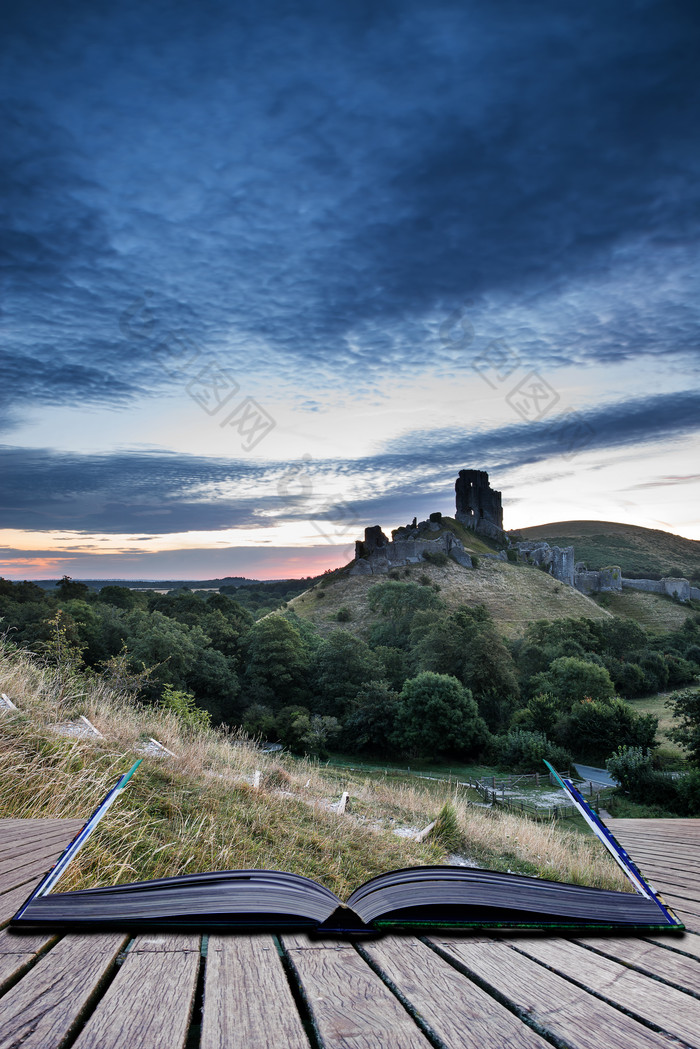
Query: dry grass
[652,611]
[515,595]
[199,811]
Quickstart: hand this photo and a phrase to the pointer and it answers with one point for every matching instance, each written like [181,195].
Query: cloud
[307,192]
[131,493]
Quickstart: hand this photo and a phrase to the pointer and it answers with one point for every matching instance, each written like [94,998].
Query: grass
[515,595]
[652,611]
[200,811]
[671,753]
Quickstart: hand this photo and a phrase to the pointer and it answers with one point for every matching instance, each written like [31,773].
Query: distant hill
[641,553]
[157,584]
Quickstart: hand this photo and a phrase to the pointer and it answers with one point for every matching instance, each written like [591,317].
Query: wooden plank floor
[234,991]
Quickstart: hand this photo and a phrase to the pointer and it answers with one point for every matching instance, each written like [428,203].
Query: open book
[414,898]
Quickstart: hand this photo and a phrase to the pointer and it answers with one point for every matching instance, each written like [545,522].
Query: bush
[693,654]
[522,751]
[476,561]
[631,767]
[594,729]
[512,555]
[183,704]
[689,792]
[446,830]
[435,557]
[344,615]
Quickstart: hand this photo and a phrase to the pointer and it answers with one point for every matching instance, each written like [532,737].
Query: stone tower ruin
[478,504]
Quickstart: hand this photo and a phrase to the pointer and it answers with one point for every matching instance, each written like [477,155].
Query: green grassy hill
[515,595]
[644,553]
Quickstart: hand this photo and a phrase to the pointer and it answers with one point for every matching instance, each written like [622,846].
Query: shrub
[476,561]
[512,555]
[523,751]
[344,615]
[693,654]
[183,704]
[688,787]
[446,829]
[594,729]
[631,767]
[435,557]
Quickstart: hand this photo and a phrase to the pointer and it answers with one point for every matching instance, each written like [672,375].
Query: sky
[276,271]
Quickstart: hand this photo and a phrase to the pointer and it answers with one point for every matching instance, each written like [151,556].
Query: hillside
[644,553]
[515,595]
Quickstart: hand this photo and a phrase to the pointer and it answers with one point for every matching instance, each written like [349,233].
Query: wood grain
[149,1003]
[350,1005]
[45,1007]
[248,1003]
[674,1011]
[653,958]
[18,951]
[559,1008]
[459,1012]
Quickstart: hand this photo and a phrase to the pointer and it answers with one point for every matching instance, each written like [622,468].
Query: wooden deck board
[457,1011]
[149,1002]
[558,1007]
[659,1004]
[351,1006]
[495,992]
[247,999]
[45,1007]
[653,958]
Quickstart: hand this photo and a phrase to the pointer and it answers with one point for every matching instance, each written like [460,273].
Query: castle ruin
[478,508]
[478,504]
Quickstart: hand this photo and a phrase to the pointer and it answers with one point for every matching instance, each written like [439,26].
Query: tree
[370,724]
[437,715]
[277,664]
[540,715]
[686,709]
[68,588]
[341,665]
[397,603]
[571,679]
[466,645]
[594,728]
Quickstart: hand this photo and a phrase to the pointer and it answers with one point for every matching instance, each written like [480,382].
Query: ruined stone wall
[558,560]
[673,587]
[598,581]
[377,555]
[649,586]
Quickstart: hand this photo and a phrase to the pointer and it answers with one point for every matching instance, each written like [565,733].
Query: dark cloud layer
[139,493]
[305,190]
